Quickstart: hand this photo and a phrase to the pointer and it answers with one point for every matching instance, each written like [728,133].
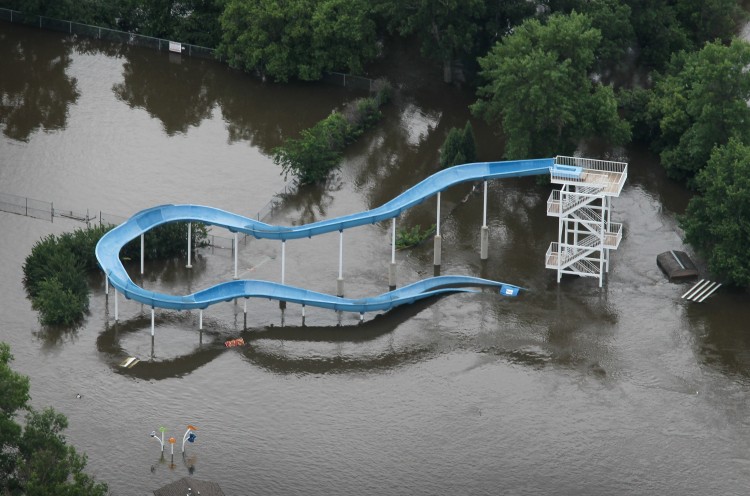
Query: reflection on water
[173,330]
[35,89]
[179,95]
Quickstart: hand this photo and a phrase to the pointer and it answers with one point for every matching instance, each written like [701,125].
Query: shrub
[318,151]
[55,270]
[459,147]
[59,304]
[165,241]
[410,237]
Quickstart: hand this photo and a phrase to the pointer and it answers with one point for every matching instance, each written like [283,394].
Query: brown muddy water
[568,389]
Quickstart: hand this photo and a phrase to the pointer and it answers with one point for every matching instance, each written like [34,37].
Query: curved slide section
[109,246]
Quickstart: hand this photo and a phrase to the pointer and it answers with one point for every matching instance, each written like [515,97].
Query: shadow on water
[35,89]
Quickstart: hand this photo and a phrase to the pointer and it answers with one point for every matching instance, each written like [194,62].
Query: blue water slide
[109,246]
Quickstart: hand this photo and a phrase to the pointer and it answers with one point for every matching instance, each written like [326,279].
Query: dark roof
[676,265]
[180,488]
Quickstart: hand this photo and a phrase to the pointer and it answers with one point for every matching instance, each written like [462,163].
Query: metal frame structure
[583,205]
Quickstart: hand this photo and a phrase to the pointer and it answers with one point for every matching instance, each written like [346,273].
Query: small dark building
[188,485]
[676,265]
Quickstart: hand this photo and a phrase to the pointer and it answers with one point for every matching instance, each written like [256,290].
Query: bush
[58,304]
[165,241]
[55,270]
[410,237]
[459,147]
[313,156]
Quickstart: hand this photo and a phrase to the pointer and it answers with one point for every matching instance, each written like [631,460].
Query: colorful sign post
[189,436]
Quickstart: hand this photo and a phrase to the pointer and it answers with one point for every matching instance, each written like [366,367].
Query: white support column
[437,216]
[117,316]
[438,243]
[200,319]
[190,245]
[393,242]
[235,254]
[244,309]
[283,260]
[392,267]
[484,206]
[341,254]
[485,232]
[152,321]
[106,284]
[142,250]
[340,280]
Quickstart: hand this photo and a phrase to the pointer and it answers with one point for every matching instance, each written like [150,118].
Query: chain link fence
[349,81]
[26,206]
[44,210]
[105,34]
[127,38]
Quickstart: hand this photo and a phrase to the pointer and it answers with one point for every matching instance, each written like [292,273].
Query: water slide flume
[109,246]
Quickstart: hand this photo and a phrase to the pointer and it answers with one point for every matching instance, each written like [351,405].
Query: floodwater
[568,389]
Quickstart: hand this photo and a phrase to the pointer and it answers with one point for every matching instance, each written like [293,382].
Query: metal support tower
[583,204]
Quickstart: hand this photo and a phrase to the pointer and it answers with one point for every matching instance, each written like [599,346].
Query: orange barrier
[234,342]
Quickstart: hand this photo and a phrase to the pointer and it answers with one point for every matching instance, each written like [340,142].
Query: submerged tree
[447,28]
[700,103]
[717,219]
[538,85]
[299,40]
[459,147]
[35,459]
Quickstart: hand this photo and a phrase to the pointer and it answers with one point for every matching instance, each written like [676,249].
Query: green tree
[451,148]
[298,38]
[658,31]
[708,20]
[14,397]
[700,103]
[459,147]
[717,219]
[538,85]
[35,460]
[58,304]
[447,28]
[612,19]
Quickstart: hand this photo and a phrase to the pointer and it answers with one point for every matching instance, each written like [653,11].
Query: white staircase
[583,204]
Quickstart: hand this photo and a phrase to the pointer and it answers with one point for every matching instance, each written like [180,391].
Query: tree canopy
[297,39]
[700,103]
[446,28]
[35,459]
[537,84]
[717,219]
[459,147]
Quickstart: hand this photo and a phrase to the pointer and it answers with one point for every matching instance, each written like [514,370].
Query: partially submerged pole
[485,234]
[190,245]
[340,280]
[438,241]
[392,267]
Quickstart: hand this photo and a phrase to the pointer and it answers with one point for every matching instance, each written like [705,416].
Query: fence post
[52,212]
